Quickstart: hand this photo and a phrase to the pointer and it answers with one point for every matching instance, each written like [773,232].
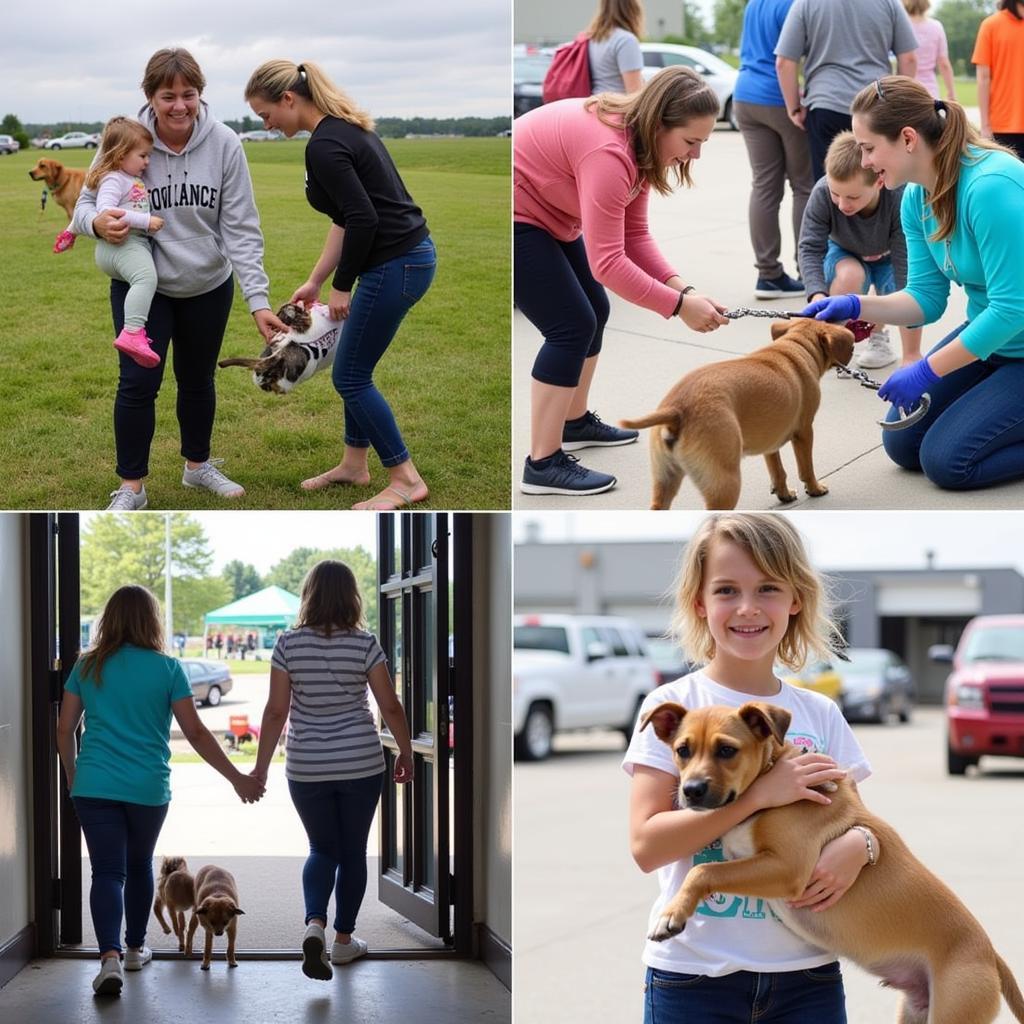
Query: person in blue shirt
[963,218]
[119,781]
[776,147]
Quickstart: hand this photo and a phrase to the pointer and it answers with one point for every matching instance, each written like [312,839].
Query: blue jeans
[336,816]
[973,434]
[385,294]
[876,272]
[121,838]
[557,292]
[814,996]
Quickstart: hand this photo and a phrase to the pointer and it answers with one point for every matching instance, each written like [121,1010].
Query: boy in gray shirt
[851,238]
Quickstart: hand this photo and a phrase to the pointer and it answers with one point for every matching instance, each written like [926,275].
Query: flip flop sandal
[395,506]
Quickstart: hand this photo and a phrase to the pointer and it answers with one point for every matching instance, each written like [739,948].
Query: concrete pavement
[581,904]
[704,233]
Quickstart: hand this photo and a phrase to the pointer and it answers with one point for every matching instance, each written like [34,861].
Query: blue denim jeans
[384,295]
[814,996]
[121,838]
[876,272]
[973,434]
[336,816]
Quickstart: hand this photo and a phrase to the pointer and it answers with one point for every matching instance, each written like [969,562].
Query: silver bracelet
[870,840]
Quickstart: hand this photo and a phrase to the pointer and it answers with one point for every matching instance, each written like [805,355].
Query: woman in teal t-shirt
[963,217]
[120,780]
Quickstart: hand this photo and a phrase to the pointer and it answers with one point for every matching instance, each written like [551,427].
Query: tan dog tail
[1011,993]
[250,363]
[672,418]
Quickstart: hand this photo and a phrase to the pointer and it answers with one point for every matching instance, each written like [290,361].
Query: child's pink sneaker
[64,241]
[135,345]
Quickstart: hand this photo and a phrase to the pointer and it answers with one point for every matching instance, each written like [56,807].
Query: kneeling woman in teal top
[963,217]
[120,780]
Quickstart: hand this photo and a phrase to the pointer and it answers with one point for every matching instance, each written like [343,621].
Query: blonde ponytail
[273,78]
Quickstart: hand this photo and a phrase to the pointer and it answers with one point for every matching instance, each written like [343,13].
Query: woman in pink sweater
[583,173]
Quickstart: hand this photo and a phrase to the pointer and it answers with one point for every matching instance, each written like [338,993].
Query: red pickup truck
[985,691]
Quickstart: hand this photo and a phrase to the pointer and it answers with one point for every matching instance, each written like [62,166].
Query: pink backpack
[569,74]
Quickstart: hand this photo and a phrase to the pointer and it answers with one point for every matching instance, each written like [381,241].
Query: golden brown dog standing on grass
[176,891]
[897,921]
[64,183]
[217,908]
[753,405]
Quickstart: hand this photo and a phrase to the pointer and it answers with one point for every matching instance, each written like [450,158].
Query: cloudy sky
[83,61]
[836,540]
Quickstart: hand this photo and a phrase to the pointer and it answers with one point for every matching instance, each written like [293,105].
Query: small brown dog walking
[64,183]
[176,892]
[898,921]
[217,908]
[753,405]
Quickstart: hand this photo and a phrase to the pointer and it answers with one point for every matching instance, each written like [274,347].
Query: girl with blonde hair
[322,673]
[613,49]
[747,599]
[379,237]
[962,211]
[583,173]
[127,689]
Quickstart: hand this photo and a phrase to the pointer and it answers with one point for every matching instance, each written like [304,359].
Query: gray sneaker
[126,500]
[209,476]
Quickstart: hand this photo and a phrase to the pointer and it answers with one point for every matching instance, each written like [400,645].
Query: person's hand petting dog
[267,323]
[906,386]
[834,308]
[701,313]
[306,294]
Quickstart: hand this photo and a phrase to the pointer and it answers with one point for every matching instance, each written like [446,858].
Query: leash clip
[911,418]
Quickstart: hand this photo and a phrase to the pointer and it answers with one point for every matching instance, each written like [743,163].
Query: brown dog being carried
[753,405]
[64,183]
[217,908]
[897,921]
[176,892]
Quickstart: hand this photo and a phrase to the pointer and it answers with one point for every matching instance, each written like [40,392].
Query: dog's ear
[766,720]
[203,908]
[665,718]
[836,344]
[779,328]
[237,910]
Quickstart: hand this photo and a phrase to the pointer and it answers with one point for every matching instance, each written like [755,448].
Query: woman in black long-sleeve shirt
[378,235]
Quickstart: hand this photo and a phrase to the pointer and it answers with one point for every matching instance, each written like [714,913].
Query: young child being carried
[116,176]
[851,238]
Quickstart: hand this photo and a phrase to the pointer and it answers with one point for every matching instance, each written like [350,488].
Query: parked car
[73,140]
[819,676]
[719,75]
[210,680]
[260,135]
[985,691]
[668,658]
[875,685]
[8,144]
[529,66]
[575,672]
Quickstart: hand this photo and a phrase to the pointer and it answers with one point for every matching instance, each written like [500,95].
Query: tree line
[120,549]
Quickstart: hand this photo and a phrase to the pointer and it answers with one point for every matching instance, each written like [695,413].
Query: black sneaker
[590,431]
[563,474]
[779,287]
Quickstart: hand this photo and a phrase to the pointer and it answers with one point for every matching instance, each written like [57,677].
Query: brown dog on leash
[176,891]
[753,405]
[897,921]
[64,183]
[217,907]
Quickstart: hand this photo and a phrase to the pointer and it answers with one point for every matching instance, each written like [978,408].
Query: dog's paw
[785,496]
[817,490]
[204,967]
[167,931]
[232,963]
[828,787]
[666,926]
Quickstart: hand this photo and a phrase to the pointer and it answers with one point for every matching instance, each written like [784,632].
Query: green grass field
[446,375]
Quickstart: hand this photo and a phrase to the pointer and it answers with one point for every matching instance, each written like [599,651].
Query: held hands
[837,869]
[155,224]
[111,225]
[339,304]
[837,308]
[403,768]
[701,314]
[906,386]
[792,778]
[248,788]
[267,323]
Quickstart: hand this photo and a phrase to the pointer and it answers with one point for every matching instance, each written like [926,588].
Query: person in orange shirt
[999,55]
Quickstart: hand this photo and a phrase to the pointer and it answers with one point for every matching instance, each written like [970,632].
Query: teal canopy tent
[270,609]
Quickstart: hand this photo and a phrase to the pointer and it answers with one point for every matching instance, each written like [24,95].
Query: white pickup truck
[575,672]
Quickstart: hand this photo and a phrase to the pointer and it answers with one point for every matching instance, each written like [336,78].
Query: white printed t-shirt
[736,933]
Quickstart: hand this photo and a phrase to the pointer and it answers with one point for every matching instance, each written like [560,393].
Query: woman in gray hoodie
[199,184]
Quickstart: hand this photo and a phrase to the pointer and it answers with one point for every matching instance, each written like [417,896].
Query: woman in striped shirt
[334,763]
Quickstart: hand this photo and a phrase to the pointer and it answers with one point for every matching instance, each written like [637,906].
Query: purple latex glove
[906,386]
[839,308]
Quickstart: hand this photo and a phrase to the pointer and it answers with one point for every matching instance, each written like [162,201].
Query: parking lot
[581,904]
